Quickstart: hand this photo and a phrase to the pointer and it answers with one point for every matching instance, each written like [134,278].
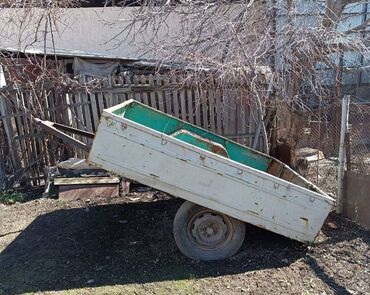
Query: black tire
[203,234]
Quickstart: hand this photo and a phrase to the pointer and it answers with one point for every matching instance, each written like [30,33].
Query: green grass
[11,197]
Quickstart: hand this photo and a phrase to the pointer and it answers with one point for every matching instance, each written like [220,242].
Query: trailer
[224,184]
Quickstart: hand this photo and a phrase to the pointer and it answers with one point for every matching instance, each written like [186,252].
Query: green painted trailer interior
[223,147]
[167,124]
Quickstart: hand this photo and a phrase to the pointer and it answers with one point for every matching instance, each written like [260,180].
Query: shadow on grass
[122,244]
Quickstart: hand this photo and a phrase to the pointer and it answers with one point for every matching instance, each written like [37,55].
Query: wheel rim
[210,230]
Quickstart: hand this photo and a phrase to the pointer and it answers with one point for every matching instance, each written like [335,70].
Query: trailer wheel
[203,234]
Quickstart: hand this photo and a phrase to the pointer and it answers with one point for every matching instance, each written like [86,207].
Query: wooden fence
[26,150]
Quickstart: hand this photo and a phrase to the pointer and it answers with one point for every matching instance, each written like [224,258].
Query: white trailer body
[183,170]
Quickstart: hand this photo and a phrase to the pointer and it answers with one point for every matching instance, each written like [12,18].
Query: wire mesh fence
[317,143]
[358,143]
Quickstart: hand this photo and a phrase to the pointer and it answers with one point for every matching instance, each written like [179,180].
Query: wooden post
[2,153]
[8,130]
[2,162]
[2,176]
[124,186]
[341,157]
[260,126]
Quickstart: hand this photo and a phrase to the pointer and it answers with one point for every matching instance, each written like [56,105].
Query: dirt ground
[126,246]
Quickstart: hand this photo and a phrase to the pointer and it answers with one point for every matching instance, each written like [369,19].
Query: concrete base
[356,201]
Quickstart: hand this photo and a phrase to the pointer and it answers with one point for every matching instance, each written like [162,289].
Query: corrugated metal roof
[84,32]
[68,53]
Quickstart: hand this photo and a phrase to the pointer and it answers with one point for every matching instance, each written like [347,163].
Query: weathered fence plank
[198,121]
[175,99]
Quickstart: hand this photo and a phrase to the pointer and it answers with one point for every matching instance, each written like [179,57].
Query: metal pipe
[342,146]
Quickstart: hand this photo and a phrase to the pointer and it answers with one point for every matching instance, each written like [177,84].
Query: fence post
[2,172]
[342,145]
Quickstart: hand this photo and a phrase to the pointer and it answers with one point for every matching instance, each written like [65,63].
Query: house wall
[356,82]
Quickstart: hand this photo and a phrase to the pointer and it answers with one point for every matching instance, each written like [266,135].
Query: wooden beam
[49,127]
[85,180]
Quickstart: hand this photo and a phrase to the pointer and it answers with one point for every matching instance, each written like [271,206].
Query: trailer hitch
[60,130]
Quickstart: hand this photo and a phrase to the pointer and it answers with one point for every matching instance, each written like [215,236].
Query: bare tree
[236,42]
[36,75]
